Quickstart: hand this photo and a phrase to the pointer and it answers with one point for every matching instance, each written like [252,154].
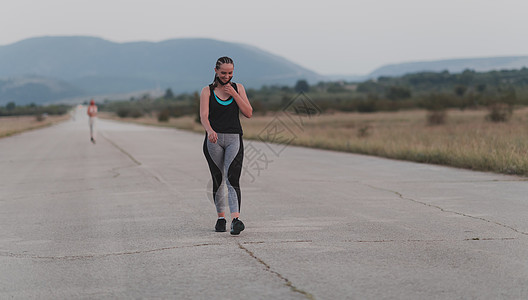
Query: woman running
[92,113]
[220,104]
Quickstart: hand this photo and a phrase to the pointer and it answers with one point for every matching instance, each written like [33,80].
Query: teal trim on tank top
[223,102]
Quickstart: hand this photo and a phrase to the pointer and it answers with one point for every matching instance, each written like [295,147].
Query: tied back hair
[222,60]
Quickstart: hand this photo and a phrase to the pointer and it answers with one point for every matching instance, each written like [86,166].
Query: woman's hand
[212,136]
[230,90]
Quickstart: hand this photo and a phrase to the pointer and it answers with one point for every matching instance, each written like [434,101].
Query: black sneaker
[236,226]
[220,225]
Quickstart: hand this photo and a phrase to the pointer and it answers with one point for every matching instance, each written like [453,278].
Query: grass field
[14,125]
[466,140]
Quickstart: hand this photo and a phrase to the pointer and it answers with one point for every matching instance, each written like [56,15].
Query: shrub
[460,90]
[133,112]
[259,107]
[164,115]
[41,117]
[364,131]
[136,113]
[367,106]
[122,112]
[398,93]
[436,117]
[499,112]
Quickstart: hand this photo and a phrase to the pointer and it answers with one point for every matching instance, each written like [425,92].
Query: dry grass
[186,122]
[466,140]
[14,125]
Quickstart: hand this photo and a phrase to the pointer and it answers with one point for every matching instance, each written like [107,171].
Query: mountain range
[98,67]
[453,65]
[47,69]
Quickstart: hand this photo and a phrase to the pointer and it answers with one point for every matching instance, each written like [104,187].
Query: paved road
[130,217]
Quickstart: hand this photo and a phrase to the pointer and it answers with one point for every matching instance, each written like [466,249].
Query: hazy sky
[330,36]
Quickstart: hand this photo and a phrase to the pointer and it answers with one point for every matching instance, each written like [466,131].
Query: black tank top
[224,114]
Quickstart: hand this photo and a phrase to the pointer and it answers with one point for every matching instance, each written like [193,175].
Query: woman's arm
[204,114]
[240,98]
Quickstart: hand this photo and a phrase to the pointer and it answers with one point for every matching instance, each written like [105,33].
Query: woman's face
[225,72]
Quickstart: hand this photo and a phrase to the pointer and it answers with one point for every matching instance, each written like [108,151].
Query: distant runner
[92,113]
[220,105]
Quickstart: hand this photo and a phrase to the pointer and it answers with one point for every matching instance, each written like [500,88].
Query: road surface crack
[277,242]
[288,283]
[134,160]
[448,211]
[122,150]
[429,241]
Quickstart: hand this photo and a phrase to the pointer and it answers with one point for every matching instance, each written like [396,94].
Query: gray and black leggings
[225,157]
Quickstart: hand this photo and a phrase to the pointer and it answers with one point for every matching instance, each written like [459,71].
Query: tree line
[11,109]
[434,91]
